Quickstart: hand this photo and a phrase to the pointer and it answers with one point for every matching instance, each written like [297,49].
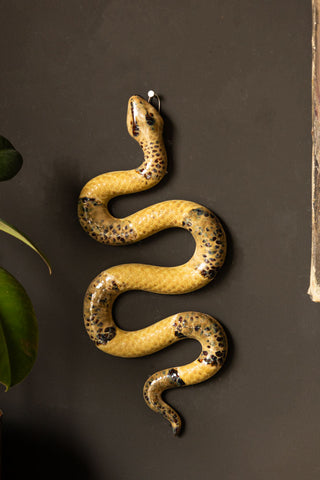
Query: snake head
[143,119]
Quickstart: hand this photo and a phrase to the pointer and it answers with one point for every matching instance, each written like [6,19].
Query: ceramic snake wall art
[145,125]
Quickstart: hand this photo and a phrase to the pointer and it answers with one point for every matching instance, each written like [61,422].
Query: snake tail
[145,125]
[213,340]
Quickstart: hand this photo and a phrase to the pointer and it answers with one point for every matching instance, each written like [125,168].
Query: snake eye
[150,121]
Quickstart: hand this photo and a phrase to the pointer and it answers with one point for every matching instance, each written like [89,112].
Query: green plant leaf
[18,331]
[10,160]
[4,226]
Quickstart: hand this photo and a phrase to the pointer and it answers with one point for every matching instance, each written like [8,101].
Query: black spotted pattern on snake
[145,125]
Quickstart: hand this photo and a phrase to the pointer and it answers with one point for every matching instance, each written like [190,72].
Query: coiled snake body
[145,125]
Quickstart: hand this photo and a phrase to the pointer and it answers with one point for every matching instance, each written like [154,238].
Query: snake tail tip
[176,430]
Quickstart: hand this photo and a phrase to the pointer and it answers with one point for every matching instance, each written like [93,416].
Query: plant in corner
[18,324]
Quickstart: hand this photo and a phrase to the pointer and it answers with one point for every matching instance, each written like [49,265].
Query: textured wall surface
[234,78]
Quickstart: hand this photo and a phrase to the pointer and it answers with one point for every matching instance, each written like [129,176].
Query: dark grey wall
[234,78]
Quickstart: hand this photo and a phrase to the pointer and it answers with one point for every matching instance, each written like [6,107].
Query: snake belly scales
[145,125]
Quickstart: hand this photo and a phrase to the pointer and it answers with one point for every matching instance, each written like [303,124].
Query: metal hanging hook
[152,94]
